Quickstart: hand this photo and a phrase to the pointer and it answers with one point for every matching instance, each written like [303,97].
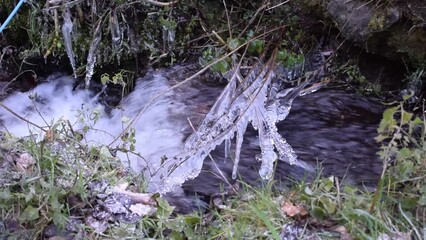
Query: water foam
[155,134]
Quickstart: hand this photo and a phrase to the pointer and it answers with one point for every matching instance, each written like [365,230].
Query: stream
[331,128]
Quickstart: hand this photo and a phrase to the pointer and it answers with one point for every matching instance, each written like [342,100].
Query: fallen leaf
[292,210]
[142,209]
[25,162]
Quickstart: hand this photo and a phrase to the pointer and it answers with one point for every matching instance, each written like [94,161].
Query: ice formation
[115,34]
[66,32]
[259,98]
[91,58]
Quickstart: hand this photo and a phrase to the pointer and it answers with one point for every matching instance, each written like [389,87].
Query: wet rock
[395,30]
[357,20]
[52,232]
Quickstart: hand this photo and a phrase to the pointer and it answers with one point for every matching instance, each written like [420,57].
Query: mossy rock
[392,29]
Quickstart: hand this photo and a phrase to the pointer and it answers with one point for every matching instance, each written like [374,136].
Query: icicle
[66,32]
[170,33]
[91,58]
[268,155]
[227,148]
[115,33]
[241,129]
[94,8]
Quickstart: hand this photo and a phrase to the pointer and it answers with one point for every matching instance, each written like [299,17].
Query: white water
[156,134]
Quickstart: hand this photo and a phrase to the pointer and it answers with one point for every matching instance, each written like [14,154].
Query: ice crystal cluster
[260,98]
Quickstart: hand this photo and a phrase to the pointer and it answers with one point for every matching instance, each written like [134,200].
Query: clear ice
[66,32]
[115,34]
[91,57]
[260,98]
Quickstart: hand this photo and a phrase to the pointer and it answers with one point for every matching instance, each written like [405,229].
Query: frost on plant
[259,98]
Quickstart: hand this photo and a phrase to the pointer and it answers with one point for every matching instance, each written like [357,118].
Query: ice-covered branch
[261,99]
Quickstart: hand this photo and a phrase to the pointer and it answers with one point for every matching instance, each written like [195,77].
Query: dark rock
[357,20]
[395,30]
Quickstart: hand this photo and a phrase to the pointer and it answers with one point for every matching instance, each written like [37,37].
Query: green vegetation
[351,71]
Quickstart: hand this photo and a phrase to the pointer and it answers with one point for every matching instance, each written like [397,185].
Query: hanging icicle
[91,58]
[116,38]
[67,28]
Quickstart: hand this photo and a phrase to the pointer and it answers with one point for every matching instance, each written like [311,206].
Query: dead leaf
[291,210]
[25,162]
[142,209]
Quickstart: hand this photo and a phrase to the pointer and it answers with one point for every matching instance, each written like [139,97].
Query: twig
[21,118]
[228,20]
[259,10]
[161,4]
[59,3]
[219,38]
[16,78]
[39,113]
[409,221]
[278,5]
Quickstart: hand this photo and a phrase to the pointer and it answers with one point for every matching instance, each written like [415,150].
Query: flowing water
[331,127]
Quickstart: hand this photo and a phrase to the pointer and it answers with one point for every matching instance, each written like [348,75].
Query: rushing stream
[331,127]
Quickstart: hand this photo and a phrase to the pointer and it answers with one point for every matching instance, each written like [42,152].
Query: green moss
[377,22]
